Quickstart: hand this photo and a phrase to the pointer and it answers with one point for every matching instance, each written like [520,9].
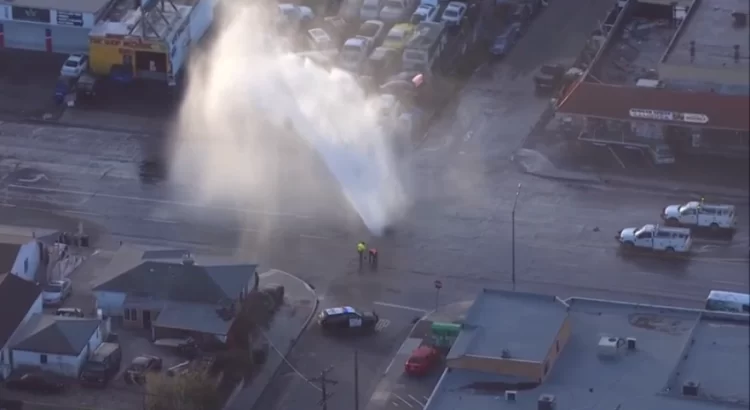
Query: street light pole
[513,238]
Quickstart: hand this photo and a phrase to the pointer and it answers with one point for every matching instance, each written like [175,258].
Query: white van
[722,301]
[371,9]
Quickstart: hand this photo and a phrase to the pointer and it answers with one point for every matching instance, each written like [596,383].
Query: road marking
[382,324]
[403,400]
[162,221]
[152,200]
[415,399]
[393,305]
[614,154]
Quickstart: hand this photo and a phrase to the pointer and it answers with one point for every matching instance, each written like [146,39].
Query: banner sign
[67,18]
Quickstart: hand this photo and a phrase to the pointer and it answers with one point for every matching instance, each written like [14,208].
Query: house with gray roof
[19,301]
[56,344]
[522,351]
[175,297]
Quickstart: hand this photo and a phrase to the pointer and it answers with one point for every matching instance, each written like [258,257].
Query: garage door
[27,36]
[69,40]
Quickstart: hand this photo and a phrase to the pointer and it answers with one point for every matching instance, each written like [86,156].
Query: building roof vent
[187,259]
[510,395]
[546,402]
[690,388]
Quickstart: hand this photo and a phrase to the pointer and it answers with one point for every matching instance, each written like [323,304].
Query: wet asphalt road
[459,230]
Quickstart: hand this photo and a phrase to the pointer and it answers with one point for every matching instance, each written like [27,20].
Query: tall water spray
[249,96]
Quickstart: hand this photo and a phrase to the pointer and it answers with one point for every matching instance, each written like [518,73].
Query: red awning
[705,109]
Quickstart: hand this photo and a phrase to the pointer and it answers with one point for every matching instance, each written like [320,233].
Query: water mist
[250,99]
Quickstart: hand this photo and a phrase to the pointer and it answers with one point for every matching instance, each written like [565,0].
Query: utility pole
[513,238]
[356,380]
[324,381]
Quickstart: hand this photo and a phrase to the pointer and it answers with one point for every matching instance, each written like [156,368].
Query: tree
[187,391]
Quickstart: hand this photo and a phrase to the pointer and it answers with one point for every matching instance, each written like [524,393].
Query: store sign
[135,44]
[30,14]
[674,116]
[67,18]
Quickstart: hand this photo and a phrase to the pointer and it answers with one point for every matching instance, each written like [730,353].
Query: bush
[188,391]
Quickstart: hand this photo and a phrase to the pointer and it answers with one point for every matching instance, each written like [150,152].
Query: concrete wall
[521,368]
[6,359]
[110,302]
[556,349]
[68,366]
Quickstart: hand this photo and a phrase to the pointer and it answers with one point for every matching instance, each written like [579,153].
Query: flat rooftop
[81,6]
[712,27]
[124,19]
[636,52]
[673,345]
[481,335]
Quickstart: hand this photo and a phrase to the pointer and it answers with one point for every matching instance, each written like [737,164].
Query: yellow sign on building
[104,52]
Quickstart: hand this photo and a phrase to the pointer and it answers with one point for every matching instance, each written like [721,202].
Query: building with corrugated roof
[668,72]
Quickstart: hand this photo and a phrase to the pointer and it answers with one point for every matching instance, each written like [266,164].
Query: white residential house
[29,261]
[20,300]
[56,344]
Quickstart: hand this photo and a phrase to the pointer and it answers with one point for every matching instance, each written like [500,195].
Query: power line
[288,363]
[324,381]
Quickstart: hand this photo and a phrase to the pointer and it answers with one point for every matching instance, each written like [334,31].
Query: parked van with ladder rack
[721,301]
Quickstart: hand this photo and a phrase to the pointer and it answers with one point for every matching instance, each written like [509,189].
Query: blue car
[503,43]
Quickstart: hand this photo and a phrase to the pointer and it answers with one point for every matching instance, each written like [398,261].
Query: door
[26,36]
[689,217]
[146,319]
[70,40]
[645,239]
[151,65]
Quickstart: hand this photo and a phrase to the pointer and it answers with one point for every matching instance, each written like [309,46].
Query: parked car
[140,366]
[661,154]
[371,9]
[69,312]
[102,365]
[35,382]
[503,43]
[656,238]
[382,63]
[293,18]
[398,36]
[396,11]
[354,53]
[373,31]
[347,319]
[697,214]
[75,65]
[55,292]
[424,13]
[422,361]
[453,13]
[319,40]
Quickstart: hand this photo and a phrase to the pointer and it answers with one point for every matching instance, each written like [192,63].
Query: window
[745,309]
[126,314]
[2,356]
[546,367]
[557,346]
[133,314]
[43,358]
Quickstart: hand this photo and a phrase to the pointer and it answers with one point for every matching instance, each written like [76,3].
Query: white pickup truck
[656,238]
[698,214]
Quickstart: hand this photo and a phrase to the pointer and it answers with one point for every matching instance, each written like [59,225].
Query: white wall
[5,364]
[88,19]
[69,366]
[27,261]
[110,302]
[201,18]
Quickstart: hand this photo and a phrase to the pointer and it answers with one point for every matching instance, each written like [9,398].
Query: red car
[422,360]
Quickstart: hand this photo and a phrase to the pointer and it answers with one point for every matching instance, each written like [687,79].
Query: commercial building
[147,39]
[668,72]
[520,351]
[60,26]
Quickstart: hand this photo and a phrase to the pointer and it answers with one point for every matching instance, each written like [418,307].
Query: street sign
[438,284]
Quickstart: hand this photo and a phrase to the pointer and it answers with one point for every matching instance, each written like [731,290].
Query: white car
[425,12]
[75,65]
[656,238]
[56,291]
[701,215]
[453,13]
[354,53]
[395,11]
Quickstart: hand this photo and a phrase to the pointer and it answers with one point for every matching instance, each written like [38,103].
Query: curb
[62,124]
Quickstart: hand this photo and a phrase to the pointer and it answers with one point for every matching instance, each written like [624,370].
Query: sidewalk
[535,163]
[300,305]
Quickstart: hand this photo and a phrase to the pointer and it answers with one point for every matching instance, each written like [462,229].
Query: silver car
[55,292]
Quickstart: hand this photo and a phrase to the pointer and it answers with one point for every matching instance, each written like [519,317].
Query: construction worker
[372,257]
[361,248]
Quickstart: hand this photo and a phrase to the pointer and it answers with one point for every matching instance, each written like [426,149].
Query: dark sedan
[503,43]
[35,383]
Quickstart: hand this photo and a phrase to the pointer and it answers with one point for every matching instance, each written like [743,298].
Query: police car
[346,318]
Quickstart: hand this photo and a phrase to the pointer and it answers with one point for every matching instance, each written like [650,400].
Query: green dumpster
[444,334]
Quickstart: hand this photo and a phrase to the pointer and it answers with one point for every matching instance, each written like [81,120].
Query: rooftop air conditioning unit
[546,402]
[690,388]
[608,347]
[510,395]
